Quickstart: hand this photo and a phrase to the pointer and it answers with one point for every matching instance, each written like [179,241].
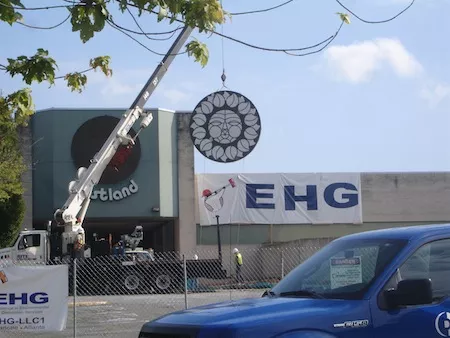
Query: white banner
[279,198]
[33,298]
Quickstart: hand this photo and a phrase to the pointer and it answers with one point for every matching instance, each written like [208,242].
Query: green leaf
[144,6]
[76,81]
[162,13]
[88,19]
[199,51]
[38,68]
[15,110]
[203,14]
[8,12]
[12,213]
[344,17]
[20,105]
[101,62]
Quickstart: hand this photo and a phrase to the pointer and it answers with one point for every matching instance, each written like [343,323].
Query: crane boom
[72,213]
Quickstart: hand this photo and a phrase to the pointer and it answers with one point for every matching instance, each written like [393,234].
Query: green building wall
[156,174]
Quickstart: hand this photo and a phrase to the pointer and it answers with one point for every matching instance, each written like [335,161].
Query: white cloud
[435,94]
[116,88]
[359,61]
[175,96]
[126,84]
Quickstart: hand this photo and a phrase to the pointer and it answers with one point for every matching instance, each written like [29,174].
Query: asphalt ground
[123,316]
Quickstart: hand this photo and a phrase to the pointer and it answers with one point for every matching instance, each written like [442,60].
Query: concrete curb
[88,303]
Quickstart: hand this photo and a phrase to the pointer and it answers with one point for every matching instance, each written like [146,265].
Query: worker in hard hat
[238,262]
[78,245]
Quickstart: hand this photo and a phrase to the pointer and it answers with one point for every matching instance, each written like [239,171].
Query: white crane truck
[56,244]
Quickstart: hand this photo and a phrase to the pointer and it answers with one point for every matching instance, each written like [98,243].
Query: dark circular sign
[225,126]
[89,139]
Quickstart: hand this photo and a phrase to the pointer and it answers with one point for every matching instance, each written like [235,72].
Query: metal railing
[113,296]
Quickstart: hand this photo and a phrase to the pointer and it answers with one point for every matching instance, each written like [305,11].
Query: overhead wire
[376,22]
[223,76]
[79,72]
[82,3]
[147,35]
[263,10]
[40,8]
[289,51]
[110,23]
[249,44]
[172,32]
[45,28]
[320,49]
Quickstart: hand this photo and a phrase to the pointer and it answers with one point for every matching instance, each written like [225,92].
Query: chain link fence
[112,296]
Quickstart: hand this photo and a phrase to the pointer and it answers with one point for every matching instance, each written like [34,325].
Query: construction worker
[78,245]
[238,262]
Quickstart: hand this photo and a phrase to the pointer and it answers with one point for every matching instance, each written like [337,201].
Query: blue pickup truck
[390,283]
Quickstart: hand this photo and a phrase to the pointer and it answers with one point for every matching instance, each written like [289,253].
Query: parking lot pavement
[123,316]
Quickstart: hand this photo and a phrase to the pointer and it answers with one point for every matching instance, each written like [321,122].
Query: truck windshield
[344,269]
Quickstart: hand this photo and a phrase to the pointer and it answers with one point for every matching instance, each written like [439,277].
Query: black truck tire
[132,282]
[164,282]
[135,283]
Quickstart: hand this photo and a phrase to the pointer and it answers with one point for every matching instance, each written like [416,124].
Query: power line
[147,35]
[252,45]
[50,27]
[172,32]
[84,3]
[249,44]
[263,10]
[267,49]
[40,8]
[320,49]
[80,72]
[375,22]
[111,23]
[324,43]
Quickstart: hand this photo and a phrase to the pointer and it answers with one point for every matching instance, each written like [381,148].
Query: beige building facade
[387,199]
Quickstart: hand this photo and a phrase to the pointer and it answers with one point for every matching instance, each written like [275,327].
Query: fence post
[74,298]
[185,282]
[282,263]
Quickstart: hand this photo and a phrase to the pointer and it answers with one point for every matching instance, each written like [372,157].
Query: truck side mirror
[410,292]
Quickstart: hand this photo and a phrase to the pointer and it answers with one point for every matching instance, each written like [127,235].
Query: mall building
[156,187]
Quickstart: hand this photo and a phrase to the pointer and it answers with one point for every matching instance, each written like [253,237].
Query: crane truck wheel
[163,282]
[131,283]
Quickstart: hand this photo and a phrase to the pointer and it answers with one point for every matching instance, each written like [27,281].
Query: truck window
[29,241]
[344,269]
[432,261]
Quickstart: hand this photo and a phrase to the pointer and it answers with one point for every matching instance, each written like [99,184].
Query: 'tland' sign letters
[111,195]
[279,198]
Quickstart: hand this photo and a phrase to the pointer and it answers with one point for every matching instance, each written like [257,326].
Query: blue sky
[377,99]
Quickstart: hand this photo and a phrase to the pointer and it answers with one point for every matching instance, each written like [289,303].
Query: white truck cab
[30,245]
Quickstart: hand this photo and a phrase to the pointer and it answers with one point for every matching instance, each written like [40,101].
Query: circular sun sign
[225,126]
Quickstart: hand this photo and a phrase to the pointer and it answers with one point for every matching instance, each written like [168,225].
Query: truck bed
[117,275]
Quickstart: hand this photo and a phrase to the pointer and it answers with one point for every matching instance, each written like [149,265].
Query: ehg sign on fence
[279,198]
[33,298]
